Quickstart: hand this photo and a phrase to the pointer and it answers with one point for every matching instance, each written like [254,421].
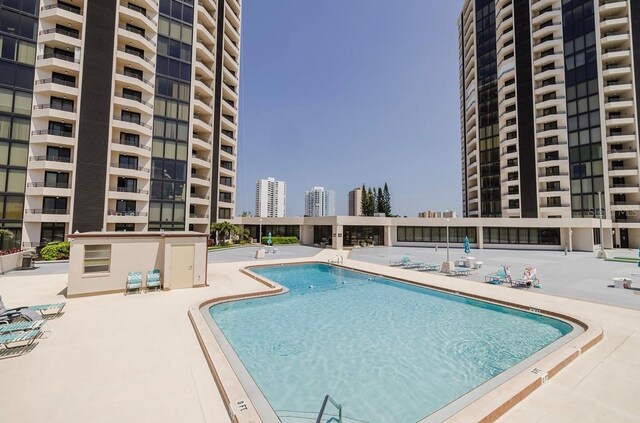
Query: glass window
[19,155]
[26,53]
[6,100]
[20,129]
[5,127]
[22,103]
[13,208]
[16,180]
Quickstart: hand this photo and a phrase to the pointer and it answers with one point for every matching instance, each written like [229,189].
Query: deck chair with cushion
[153,280]
[459,271]
[134,282]
[529,279]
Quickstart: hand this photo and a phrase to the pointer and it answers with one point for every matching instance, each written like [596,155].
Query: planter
[10,262]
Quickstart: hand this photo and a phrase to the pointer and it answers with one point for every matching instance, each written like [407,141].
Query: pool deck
[137,358]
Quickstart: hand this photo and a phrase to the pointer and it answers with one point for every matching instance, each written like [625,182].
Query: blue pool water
[388,351]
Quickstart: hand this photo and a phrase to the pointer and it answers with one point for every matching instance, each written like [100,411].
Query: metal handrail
[328,399]
[338,259]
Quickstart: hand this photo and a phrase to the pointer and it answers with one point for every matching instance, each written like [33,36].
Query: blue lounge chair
[153,280]
[134,282]
[404,260]
[501,276]
[30,312]
[25,338]
[21,326]
[429,267]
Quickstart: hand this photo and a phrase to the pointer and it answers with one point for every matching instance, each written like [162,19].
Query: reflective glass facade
[18,33]
[171,116]
[583,107]
[488,109]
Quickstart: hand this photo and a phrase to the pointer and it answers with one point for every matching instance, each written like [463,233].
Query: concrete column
[480,237]
[388,239]
[336,237]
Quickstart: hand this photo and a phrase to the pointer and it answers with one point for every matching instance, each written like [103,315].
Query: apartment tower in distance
[355,202]
[117,115]
[319,202]
[271,198]
[549,99]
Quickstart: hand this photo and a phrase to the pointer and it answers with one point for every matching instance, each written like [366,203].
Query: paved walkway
[576,275]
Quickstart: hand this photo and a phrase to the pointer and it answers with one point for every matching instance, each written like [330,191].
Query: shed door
[182,258]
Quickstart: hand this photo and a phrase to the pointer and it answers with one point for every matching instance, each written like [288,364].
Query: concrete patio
[136,358]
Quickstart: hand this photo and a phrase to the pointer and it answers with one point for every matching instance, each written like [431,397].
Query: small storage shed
[99,262]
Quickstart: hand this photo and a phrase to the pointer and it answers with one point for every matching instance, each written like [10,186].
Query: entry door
[624,238]
[182,258]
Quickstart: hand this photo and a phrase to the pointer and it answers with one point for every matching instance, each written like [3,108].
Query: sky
[342,93]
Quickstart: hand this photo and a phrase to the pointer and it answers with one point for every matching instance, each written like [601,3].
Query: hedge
[55,251]
[279,240]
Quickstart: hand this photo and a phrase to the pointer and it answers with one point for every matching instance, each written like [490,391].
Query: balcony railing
[56,132]
[130,167]
[56,81]
[128,190]
[126,213]
[61,31]
[46,211]
[63,185]
[130,143]
[51,158]
[54,55]
[131,75]
[62,6]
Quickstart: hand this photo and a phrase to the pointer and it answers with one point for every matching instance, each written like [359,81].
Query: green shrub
[55,251]
[280,240]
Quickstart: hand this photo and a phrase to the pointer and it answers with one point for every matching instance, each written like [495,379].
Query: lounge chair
[28,312]
[459,271]
[134,282]
[153,280]
[21,326]
[10,338]
[429,267]
[501,276]
[529,279]
[404,260]
[413,264]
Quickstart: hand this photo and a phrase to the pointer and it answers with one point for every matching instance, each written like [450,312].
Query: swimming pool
[388,351]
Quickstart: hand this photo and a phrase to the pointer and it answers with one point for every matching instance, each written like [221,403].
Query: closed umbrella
[467,246]
[269,241]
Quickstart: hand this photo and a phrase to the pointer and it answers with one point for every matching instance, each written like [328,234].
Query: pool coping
[251,407]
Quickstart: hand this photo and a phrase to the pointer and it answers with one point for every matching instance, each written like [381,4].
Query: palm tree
[221,228]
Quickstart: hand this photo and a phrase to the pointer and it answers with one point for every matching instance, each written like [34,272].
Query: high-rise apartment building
[355,202]
[549,94]
[271,198]
[117,115]
[319,202]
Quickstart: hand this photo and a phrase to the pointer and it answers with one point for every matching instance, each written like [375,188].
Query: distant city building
[355,202]
[442,214]
[319,202]
[271,198]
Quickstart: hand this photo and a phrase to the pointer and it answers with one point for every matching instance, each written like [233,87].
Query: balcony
[62,12]
[59,37]
[46,215]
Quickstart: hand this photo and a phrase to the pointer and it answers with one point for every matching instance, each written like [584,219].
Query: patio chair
[404,260]
[28,312]
[413,264]
[529,279]
[134,282]
[24,338]
[428,267]
[501,276]
[459,271]
[153,280]
[21,326]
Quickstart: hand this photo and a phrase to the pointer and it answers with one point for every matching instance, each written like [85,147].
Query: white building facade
[271,198]
[319,202]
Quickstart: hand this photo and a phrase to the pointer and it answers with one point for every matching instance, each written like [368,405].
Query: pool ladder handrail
[338,259]
[328,399]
